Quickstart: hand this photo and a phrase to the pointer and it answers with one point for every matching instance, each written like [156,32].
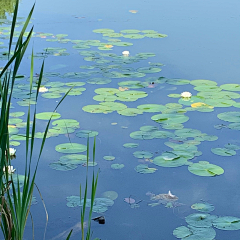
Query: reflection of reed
[6,6]
[76,228]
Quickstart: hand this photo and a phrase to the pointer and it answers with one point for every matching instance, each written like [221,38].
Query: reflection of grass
[6,6]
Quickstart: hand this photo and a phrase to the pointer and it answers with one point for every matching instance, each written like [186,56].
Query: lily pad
[227,223]
[71,148]
[62,166]
[203,207]
[170,118]
[117,166]
[86,133]
[200,219]
[142,154]
[47,115]
[131,145]
[110,194]
[143,168]
[223,152]
[130,112]
[194,233]
[151,107]
[205,169]
[109,158]
[230,116]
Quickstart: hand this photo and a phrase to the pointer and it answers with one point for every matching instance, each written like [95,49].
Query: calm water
[202,43]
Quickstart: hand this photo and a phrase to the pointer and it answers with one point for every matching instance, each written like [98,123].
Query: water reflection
[6,7]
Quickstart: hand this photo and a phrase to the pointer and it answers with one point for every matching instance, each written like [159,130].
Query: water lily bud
[186,94]
[125,53]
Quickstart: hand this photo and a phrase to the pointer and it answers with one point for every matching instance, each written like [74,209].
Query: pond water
[202,44]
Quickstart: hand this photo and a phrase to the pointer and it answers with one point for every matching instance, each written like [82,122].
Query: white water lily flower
[10,169]
[125,53]
[43,89]
[186,94]
[12,151]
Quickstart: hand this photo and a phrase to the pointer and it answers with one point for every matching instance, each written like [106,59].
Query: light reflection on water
[201,44]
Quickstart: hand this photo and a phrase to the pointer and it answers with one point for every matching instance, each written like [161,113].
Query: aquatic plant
[15,204]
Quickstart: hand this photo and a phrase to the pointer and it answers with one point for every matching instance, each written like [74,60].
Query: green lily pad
[151,107]
[14,143]
[73,159]
[203,207]
[117,166]
[110,194]
[223,152]
[234,126]
[201,82]
[130,31]
[133,36]
[149,70]
[130,112]
[142,154]
[194,233]
[71,148]
[200,219]
[130,145]
[16,114]
[141,135]
[227,223]
[113,106]
[143,168]
[133,84]
[47,115]
[86,133]
[187,132]
[70,123]
[229,116]
[109,158]
[62,167]
[232,146]
[230,87]
[205,169]
[99,81]
[96,109]
[170,118]
[177,81]
[170,159]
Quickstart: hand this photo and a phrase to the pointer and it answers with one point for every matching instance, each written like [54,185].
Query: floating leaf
[130,112]
[71,148]
[203,207]
[142,168]
[223,152]
[62,166]
[151,107]
[227,223]
[205,169]
[47,115]
[200,219]
[230,116]
[109,158]
[194,233]
[232,146]
[142,154]
[170,118]
[117,166]
[170,159]
[131,145]
[86,133]
[230,87]
[73,159]
[110,194]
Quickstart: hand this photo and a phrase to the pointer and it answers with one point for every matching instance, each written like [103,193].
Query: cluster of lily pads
[100,205]
[200,225]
